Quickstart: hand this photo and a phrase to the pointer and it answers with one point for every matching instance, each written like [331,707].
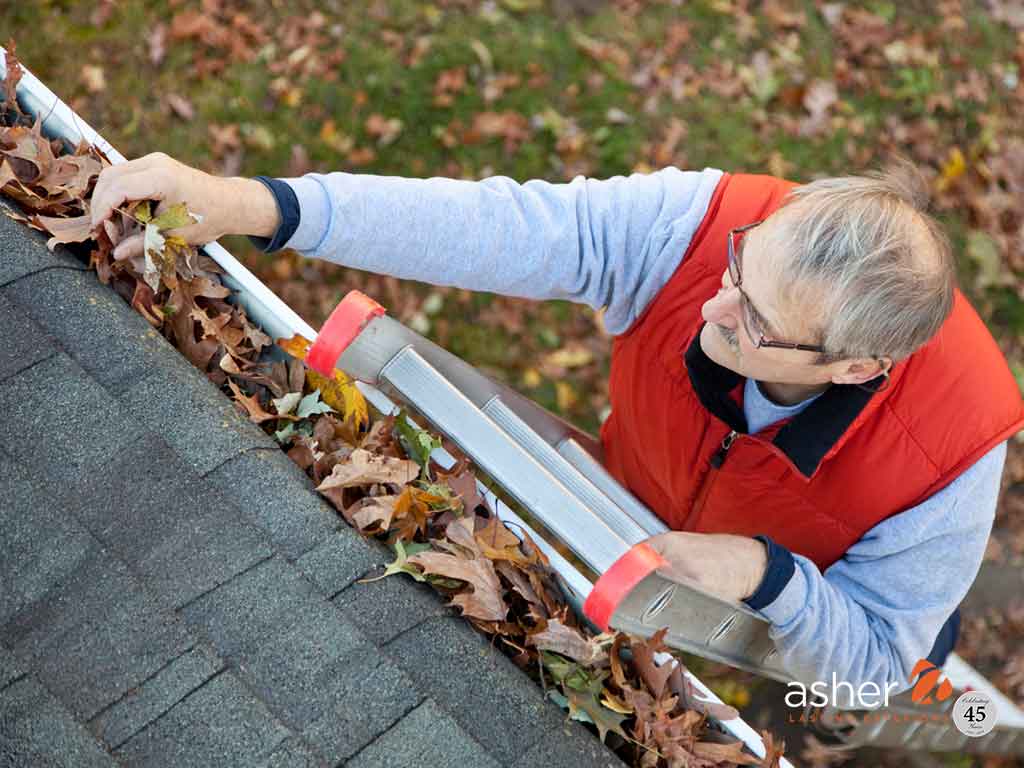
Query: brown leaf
[374,513]
[731,753]
[774,751]
[252,406]
[570,642]
[486,601]
[70,230]
[653,675]
[363,468]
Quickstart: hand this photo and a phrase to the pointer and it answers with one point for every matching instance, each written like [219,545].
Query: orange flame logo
[923,688]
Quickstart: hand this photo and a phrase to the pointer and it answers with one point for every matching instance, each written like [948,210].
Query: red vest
[814,483]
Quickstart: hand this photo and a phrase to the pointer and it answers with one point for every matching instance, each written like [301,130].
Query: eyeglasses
[752,319]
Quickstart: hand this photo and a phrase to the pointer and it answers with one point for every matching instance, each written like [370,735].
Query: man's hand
[728,566]
[228,206]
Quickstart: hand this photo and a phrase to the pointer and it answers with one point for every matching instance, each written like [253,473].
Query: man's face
[726,340]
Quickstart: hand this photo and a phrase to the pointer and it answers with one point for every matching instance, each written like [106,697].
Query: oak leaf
[486,601]
[363,468]
[570,642]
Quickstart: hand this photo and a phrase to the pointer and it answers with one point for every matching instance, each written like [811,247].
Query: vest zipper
[716,461]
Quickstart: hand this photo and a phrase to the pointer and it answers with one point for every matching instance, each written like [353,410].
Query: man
[797,387]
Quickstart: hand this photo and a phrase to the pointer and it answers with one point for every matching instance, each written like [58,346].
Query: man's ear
[860,370]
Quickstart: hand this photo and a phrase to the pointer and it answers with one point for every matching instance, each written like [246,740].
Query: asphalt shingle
[200,554]
[55,416]
[36,731]
[337,705]
[298,520]
[25,343]
[220,724]
[10,668]
[91,323]
[197,420]
[337,562]
[569,745]
[40,545]
[482,689]
[144,704]
[292,754]
[95,636]
[263,605]
[384,609]
[25,249]
[427,735]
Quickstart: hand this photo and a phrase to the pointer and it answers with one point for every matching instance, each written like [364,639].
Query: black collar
[807,437]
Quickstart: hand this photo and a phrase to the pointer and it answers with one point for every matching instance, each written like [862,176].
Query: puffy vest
[817,482]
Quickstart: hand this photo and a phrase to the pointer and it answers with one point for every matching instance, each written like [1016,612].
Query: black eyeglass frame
[736,275]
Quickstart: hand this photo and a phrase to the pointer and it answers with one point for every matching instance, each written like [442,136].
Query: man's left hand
[725,565]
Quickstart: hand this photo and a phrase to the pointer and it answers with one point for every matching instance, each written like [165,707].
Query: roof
[175,592]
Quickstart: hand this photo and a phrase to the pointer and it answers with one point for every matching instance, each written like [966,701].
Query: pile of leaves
[377,473]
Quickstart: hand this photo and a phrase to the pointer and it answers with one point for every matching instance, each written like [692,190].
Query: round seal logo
[974,713]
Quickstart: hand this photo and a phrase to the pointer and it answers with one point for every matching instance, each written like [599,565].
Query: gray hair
[885,265]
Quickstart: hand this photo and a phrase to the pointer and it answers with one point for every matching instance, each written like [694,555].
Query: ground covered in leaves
[528,88]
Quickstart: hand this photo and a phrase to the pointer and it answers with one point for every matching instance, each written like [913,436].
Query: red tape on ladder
[618,581]
[347,321]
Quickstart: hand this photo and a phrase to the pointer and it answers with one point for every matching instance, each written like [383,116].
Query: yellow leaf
[297,346]
[565,396]
[341,394]
[954,167]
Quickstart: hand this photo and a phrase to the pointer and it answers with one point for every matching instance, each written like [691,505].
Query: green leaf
[418,442]
[284,435]
[174,217]
[586,708]
[311,404]
[287,404]
[400,564]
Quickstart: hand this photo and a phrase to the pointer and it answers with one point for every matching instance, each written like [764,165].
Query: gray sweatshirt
[613,244]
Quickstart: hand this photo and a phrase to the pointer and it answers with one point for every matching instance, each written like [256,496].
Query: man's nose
[724,307]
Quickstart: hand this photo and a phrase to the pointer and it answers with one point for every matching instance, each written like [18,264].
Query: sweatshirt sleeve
[609,243]
[878,610]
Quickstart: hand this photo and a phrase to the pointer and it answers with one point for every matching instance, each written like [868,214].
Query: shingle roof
[176,594]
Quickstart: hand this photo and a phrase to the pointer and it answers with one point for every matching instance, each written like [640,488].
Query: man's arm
[877,611]
[606,243]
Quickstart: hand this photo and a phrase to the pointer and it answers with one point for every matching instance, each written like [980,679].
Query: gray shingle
[25,251]
[570,745]
[40,544]
[481,688]
[140,491]
[25,343]
[265,603]
[426,736]
[36,731]
[191,414]
[201,553]
[93,324]
[340,560]
[338,704]
[144,704]
[297,519]
[56,416]
[386,608]
[10,668]
[95,636]
[292,754]
[220,724]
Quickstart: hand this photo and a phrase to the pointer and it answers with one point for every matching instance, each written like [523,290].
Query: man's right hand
[227,206]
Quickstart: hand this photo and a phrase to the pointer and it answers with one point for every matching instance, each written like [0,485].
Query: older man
[797,387]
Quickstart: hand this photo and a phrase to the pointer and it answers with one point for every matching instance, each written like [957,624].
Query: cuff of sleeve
[777,575]
[313,226]
[287,206]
